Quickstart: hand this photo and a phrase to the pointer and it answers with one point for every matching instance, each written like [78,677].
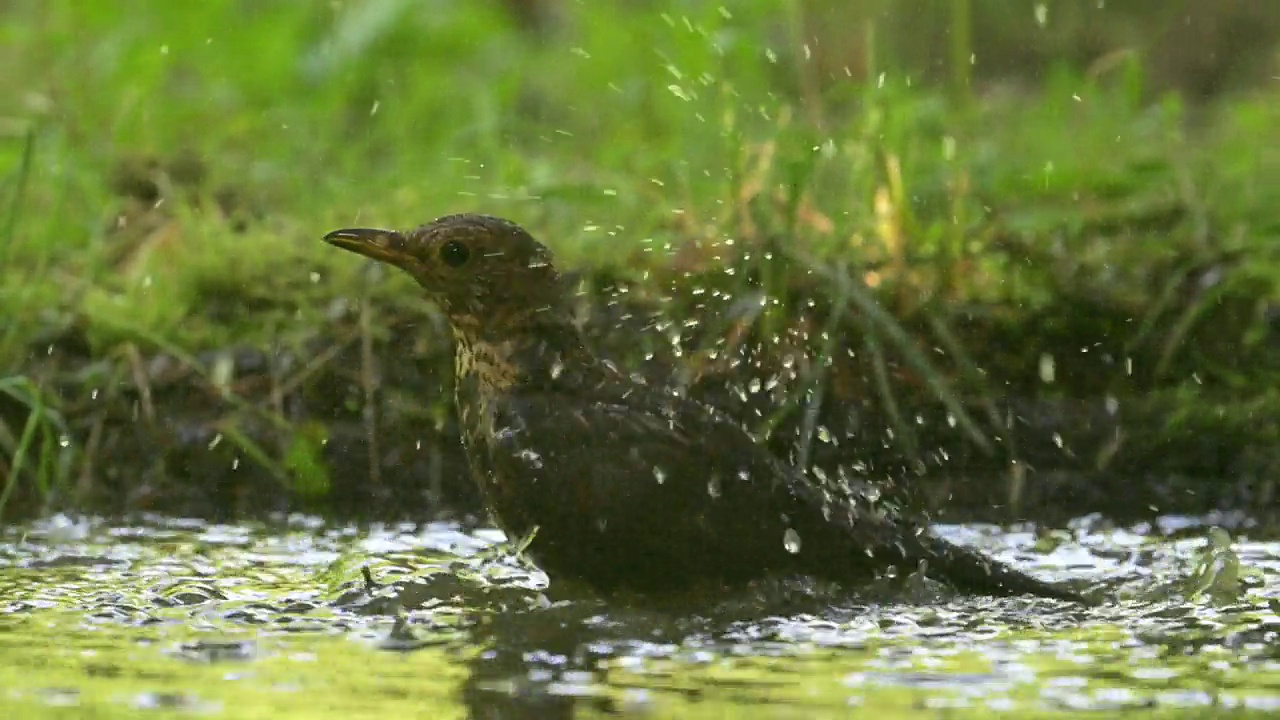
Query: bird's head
[486,274]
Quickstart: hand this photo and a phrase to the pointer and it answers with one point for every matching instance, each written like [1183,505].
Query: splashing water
[187,615]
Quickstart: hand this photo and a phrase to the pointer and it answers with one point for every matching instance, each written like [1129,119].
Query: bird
[624,485]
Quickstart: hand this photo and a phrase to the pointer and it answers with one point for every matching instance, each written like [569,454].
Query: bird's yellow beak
[385,245]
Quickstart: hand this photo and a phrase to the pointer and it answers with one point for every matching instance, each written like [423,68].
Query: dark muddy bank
[357,421]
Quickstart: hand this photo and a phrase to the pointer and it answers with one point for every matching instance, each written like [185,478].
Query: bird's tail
[907,543]
[891,538]
[971,570]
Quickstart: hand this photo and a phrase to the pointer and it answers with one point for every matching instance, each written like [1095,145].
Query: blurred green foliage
[165,162]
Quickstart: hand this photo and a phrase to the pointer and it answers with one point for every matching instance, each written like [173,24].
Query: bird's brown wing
[682,488]
[661,489]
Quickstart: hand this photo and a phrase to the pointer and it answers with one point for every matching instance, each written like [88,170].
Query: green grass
[632,130]
[636,140]
[36,450]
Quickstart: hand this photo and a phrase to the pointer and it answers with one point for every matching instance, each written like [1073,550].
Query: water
[178,618]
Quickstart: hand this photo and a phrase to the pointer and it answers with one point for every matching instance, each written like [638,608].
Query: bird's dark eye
[455,253]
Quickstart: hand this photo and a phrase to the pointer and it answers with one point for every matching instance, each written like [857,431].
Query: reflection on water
[313,620]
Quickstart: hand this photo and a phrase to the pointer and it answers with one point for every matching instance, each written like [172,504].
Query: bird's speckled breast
[482,373]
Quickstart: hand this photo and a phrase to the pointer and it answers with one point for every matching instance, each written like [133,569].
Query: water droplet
[531,457]
[679,92]
[713,486]
[659,474]
[1047,369]
[791,541]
